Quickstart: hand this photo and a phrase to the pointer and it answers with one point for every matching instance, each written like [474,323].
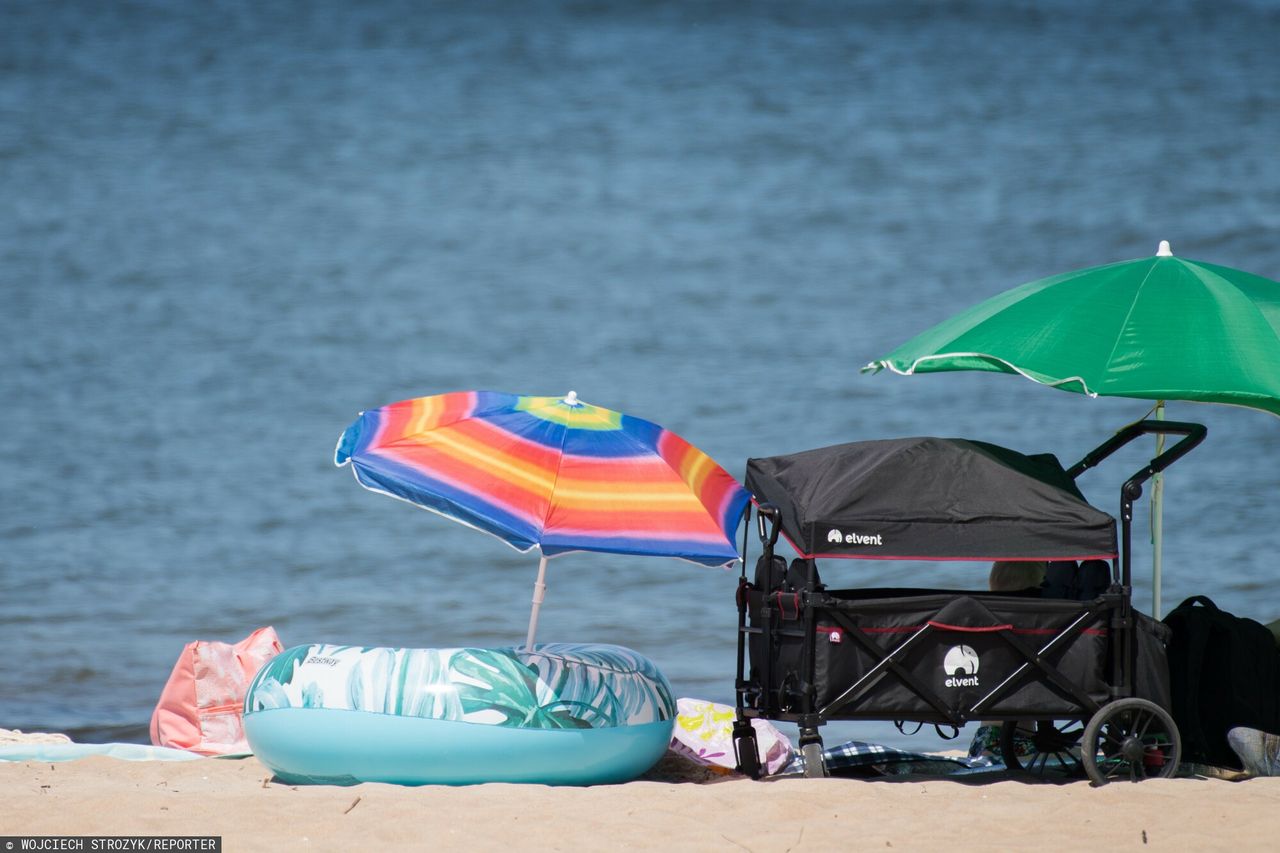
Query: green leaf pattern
[267,690]
[552,686]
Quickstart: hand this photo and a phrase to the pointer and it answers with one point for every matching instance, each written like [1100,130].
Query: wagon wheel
[814,765]
[1051,749]
[1131,739]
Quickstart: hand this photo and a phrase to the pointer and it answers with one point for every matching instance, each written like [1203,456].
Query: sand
[672,808]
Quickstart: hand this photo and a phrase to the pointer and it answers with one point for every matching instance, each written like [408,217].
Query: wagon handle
[769,534]
[1192,434]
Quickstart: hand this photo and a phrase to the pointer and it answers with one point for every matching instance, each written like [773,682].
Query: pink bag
[201,706]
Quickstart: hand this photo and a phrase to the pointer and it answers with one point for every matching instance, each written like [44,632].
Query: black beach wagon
[1070,667]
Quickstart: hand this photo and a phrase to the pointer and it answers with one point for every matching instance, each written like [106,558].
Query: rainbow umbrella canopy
[550,473]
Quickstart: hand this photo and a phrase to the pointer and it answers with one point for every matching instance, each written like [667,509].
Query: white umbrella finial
[1164,251]
[571,399]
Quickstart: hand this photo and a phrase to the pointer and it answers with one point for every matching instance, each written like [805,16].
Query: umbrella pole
[1157,522]
[539,593]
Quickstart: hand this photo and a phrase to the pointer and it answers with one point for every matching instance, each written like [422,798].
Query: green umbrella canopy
[1159,328]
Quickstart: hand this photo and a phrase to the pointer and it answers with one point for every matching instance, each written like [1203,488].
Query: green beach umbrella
[1159,328]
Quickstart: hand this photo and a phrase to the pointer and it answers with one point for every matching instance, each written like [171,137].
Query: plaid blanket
[859,754]
[984,756]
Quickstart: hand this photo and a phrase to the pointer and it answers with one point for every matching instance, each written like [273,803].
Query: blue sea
[228,227]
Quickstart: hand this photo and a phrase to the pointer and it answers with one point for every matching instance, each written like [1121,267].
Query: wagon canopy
[930,499]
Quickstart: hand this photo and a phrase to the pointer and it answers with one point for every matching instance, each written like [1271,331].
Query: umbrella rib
[713,465]
[546,516]
[1204,273]
[1132,305]
[644,449]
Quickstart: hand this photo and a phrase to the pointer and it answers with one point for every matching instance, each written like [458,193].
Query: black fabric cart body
[810,655]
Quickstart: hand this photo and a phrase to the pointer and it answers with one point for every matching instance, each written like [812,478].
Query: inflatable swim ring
[557,714]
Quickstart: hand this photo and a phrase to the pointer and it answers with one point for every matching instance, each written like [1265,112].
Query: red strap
[993,628]
[782,597]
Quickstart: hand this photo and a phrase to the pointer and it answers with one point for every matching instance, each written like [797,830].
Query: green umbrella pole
[1157,522]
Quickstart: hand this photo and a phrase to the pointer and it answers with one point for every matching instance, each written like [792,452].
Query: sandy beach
[670,809]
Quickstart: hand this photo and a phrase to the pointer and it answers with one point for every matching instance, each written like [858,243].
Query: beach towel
[49,751]
[202,705]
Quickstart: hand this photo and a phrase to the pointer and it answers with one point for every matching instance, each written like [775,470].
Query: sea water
[229,227]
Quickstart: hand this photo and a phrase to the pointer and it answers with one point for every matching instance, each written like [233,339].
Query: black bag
[1224,671]
[770,573]
[775,576]
[1083,582]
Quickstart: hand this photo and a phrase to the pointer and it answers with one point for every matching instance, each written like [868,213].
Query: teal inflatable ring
[556,714]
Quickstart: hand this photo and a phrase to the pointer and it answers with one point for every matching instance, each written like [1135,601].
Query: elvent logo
[961,663]
[838,537]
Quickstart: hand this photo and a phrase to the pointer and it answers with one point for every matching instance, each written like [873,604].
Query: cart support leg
[745,750]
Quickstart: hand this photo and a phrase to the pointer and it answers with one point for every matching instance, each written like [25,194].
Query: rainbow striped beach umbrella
[550,473]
